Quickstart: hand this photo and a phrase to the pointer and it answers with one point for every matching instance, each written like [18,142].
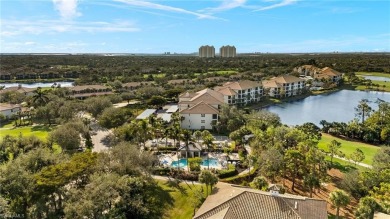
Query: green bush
[166,149]
[240,178]
[161,171]
[231,171]
[195,163]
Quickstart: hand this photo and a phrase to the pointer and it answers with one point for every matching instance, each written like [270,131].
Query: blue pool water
[183,162]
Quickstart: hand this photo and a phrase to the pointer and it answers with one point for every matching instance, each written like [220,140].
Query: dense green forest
[96,68]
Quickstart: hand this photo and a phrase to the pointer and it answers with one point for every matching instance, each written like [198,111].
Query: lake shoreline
[336,105]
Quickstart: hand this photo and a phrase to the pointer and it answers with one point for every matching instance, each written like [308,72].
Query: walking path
[165,178]
[98,140]
[360,164]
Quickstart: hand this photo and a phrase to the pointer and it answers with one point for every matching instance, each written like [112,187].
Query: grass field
[219,73]
[39,131]
[348,147]
[378,74]
[182,207]
[380,88]
[344,166]
[383,85]
[161,75]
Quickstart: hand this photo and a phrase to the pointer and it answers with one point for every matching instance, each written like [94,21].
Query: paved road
[98,140]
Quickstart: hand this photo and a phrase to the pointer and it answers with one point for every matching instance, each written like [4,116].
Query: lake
[376,78]
[35,85]
[338,106]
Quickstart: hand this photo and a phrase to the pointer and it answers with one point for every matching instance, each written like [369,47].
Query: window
[215,116]
[202,121]
[202,127]
[202,115]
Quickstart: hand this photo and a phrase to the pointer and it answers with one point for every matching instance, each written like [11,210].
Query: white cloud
[155,6]
[226,5]
[19,27]
[277,5]
[67,8]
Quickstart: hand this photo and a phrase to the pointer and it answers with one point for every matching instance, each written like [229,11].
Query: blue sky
[157,26]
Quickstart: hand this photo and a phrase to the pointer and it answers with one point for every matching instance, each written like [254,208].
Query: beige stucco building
[207,51]
[284,86]
[227,51]
[200,110]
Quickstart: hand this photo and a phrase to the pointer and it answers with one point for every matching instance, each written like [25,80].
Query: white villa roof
[165,116]
[172,109]
[145,114]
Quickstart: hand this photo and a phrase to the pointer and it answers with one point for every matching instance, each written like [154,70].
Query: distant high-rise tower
[207,51]
[227,51]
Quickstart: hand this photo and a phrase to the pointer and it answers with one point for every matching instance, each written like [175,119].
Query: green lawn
[161,75]
[374,88]
[219,73]
[379,74]
[344,166]
[348,147]
[40,131]
[182,206]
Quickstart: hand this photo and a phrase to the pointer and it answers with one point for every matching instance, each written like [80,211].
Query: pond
[338,106]
[377,78]
[40,84]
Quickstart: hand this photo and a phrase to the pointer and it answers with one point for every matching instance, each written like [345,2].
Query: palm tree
[186,137]
[198,135]
[339,198]
[40,97]
[208,141]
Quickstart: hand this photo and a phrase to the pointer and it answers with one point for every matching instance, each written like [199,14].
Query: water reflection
[338,106]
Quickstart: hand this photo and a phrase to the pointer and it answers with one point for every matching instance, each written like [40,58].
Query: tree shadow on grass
[176,184]
[162,200]
[41,128]
[343,168]
[2,124]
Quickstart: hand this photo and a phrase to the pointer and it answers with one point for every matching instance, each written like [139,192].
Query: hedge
[227,173]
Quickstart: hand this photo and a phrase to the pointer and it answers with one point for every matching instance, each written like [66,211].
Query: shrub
[166,149]
[195,163]
[231,171]
[161,171]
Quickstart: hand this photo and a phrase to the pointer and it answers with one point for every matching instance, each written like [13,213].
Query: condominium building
[241,92]
[200,110]
[207,51]
[319,74]
[227,51]
[284,86]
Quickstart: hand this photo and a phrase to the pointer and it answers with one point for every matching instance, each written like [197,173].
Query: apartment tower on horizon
[227,51]
[207,51]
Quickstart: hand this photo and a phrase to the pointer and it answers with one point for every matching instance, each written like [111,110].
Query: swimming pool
[183,162]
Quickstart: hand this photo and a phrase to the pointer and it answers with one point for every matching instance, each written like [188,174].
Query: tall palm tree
[40,97]
[198,135]
[208,141]
[186,137]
